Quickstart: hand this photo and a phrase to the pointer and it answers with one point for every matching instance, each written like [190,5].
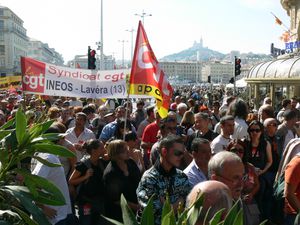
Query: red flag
[146,76]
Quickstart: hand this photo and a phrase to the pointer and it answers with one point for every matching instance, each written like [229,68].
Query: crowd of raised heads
[211,142]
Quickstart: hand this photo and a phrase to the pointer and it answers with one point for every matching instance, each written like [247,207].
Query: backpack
[278,187]
[288,154]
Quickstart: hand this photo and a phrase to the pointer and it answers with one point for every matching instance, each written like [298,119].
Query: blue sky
[70,26]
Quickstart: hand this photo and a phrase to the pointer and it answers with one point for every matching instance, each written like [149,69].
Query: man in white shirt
[79,134]
[239,110]
[56,214]
[221,142]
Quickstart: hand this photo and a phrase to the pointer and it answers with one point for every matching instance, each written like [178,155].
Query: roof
[282,68]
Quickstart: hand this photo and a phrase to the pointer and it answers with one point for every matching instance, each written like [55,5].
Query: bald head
[217,196]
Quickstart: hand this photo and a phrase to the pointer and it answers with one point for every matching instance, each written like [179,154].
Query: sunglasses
[255,130]
[237,150]
[178,152]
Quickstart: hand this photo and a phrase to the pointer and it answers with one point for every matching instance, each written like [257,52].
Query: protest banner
[47,79]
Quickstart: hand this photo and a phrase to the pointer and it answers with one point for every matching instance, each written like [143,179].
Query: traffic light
[231,80]
[237,66]
[91,59]
[208,79]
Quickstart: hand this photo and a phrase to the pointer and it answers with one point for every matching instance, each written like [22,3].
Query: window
[2,50]
[1,12]
[1,24]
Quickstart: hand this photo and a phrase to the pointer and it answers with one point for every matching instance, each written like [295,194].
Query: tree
[18,144]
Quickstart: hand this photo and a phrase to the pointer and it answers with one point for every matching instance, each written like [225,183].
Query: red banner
[146,76]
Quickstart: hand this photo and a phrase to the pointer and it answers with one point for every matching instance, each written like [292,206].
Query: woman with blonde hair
[121,176]
[53,113]
[188,120]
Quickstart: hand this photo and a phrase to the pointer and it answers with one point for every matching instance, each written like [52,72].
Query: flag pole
[126,109]
[279,22]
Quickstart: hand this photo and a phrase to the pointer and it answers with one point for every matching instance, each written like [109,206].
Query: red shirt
[150,133]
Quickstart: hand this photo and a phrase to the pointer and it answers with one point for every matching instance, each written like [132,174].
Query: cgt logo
[34,82]
[34,77]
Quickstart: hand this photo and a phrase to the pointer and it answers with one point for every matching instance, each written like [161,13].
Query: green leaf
[195,210]
[11,142]
[40,128]
[182,218]
[230,217]
[112,220]
[26,200]
[127,214]
[53,149]
[265,222]
[48,137]
[147,215]
[10,216]
[31,187]
[46,162]
[4,133]
[49,194]
[239,218]
[216,218]
[4,157]
[297,219]
[25,217]
[166,207]
[21,124]
[8,124]
[169,219]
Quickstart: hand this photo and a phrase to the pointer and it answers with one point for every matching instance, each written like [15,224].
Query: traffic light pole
[234,84]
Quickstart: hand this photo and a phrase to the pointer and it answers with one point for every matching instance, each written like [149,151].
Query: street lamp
[131,31]
[142,15]
[100,44]
[122,51]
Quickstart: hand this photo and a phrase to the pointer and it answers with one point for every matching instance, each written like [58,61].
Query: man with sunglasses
[163,178]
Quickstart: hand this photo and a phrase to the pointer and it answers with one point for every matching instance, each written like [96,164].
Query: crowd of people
[216,145]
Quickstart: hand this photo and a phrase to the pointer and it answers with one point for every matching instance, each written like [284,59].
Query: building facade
[182,72]
[42,52]
[219,72]
[13,42]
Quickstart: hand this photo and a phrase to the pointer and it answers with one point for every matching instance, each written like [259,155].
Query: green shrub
[18,144]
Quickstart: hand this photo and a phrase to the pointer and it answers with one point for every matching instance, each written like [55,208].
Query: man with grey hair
[197,169]
[217,196]
[228,168]
[181,109]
